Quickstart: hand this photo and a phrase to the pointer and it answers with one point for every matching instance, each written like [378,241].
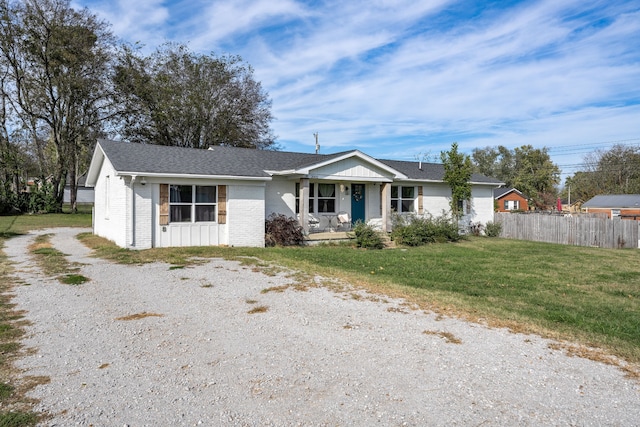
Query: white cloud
[395,78]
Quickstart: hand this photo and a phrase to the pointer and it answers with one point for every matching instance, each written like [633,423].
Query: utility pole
[317,145]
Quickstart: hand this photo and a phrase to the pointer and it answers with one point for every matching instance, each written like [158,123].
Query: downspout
[133,211]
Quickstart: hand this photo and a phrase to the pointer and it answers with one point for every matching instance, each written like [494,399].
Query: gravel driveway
[314,357]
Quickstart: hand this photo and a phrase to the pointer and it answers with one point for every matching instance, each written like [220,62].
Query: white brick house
[156,196]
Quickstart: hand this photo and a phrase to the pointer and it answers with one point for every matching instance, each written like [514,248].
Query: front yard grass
[589,295]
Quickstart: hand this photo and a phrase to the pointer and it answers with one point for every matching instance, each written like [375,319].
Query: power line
[619,141]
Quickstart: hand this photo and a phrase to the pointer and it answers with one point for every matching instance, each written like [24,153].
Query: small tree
[457,173]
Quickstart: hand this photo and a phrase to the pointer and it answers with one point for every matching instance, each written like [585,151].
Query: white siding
[110,205]
[280,197]
[246,215]
[194,234]
[349,169]
[84,195]
[142,239]
[244,225]
[482,207]
[373,208]
[435,198]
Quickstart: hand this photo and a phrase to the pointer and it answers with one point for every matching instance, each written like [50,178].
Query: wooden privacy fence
[579,230]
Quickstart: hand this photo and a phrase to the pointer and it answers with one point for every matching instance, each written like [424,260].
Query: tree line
[604,171]
[65,81]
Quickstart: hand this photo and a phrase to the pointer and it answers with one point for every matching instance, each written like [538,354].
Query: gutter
[191,176]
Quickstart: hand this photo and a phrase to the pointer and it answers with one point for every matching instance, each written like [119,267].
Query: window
[511,205]
[402,199]
[326,198]
[192,203]
[464,207]
[107,203]
[311,198]
[324,194]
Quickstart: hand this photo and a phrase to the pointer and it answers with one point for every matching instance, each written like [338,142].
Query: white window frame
[400,199]
[315,200]
[511,205]
[311,197]
[107,197]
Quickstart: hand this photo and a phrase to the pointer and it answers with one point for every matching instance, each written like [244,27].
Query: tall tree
[58,60]
[177,97]
[497,162]
[457,173]
[612,171]
[528,169]
[536,175]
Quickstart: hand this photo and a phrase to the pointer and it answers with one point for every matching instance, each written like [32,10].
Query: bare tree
[58,60]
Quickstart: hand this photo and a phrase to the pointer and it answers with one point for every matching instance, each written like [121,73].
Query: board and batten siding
[240,219]
[349,170]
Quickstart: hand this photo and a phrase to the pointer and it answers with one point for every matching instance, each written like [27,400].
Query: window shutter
[164,204]
[420,207]
[222,204]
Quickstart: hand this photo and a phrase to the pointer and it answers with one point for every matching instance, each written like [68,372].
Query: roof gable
[498,193]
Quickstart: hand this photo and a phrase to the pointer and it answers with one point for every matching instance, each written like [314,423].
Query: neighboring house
[510,199]
[625,206]
[84,196]
[158,196]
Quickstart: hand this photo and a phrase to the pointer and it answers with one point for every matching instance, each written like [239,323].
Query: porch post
[386,206]
[304,204]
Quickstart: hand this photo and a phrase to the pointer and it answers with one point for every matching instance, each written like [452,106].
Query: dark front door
[357,202]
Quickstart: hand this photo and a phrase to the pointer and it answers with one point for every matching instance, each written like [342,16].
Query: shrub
[493,229]
[367,237]
[416,231]
[283,230]
[42,199]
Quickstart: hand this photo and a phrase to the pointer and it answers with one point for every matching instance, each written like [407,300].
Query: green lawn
[588,294]
[11,225]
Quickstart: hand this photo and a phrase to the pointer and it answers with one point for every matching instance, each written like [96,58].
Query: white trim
[364,157]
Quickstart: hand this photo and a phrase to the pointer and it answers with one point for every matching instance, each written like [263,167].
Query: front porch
[327,237]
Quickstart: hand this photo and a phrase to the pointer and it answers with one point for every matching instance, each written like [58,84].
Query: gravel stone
[313,358]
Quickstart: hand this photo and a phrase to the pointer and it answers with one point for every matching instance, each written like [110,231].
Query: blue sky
[404,79]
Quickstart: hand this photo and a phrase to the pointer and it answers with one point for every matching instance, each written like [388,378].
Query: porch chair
[344,221]
[314,222]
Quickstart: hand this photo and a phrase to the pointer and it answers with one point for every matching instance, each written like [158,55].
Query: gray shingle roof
[245,162]
[614,201]
[219,161]
[430,171]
